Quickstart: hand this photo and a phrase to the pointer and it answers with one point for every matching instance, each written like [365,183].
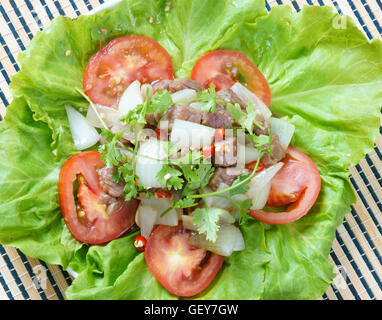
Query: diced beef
[224,175]
[230,96]
[177,85]
[222,118]
[257,130]
[113,195]
[110,187]
[278,152]
[182,112]
[152,119]
[226,152]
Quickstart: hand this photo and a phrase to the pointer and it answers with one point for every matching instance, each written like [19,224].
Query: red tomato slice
[181,268]
[124,60]
[289,183]
[222,68]
[299,183]
[91,224]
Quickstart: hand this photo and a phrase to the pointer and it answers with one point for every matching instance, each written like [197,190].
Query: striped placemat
[357,248]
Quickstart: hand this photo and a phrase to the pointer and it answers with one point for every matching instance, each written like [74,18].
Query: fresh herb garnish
[113,157]
[171,177]
[207,220]
[246,119]
[159,102]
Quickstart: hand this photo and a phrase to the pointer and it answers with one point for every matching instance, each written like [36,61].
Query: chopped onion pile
[260,186]
[246,95]
[148,215]
[84,135]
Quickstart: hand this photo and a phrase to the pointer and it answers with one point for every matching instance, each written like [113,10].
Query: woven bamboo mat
[357,248]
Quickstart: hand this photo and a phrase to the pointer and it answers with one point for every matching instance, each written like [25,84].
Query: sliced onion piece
[239,243]
[188,223]
[146,218]
[197,105]
[218,202]
[130,98]
[225,242]
[260,186]
[148,165]
[147,88]
[84,135]
[283,129]
[246,95]
[226,217]
[160,205]
[184,94]
[171,218]
[128,133]
[249,152]
[109,115]
[149,211]
[185,134]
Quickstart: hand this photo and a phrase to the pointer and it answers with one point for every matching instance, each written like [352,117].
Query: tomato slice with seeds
[222,68]
[88,220]
[298,183]
[180,267]
[124,60]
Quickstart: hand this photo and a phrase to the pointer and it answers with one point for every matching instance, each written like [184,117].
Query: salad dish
[159,157]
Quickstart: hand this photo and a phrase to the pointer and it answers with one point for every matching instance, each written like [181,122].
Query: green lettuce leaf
[29,209]
[325,80]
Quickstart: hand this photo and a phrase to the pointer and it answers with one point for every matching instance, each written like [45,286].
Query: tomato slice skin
[289,183]
[306,198]
[111,70]
[221,69]
[175,263]
[94,228]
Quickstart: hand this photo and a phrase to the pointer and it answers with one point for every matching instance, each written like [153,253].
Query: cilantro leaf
[110,154]
[197,176]
[208,99]
[246,119]
[185,203]
[170,177]
[159,102]
[207,220]
[242,189]
[262,142]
